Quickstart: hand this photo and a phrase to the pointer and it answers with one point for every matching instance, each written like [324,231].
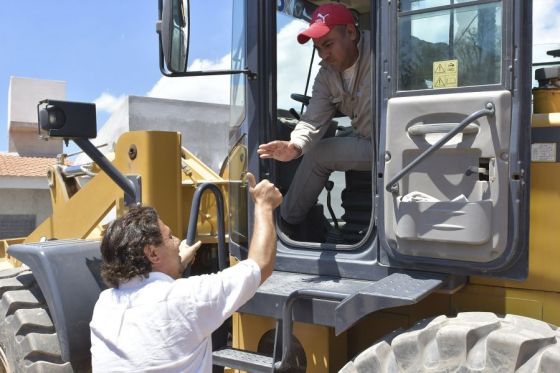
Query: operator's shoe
[290,230]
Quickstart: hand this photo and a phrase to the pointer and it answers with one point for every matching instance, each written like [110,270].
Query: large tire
[470,342]
[28,340]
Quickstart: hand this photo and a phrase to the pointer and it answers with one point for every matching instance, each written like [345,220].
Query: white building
[24,194]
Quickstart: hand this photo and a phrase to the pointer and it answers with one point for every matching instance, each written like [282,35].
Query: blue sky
[107,49]
[96,46]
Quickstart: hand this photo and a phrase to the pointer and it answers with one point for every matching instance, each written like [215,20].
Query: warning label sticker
[543,152]
[446,74]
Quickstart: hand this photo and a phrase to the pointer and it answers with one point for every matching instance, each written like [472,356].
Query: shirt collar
[141,281]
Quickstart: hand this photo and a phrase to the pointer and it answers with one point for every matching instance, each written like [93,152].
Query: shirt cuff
[255,270]
[300,144]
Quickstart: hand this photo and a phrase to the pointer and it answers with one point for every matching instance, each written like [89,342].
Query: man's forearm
[263,243]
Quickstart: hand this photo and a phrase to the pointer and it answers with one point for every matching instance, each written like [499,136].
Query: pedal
[243,360]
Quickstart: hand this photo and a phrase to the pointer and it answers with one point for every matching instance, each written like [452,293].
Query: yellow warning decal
[446,74]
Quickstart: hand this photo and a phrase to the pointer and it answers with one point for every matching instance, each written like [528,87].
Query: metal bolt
[132,152]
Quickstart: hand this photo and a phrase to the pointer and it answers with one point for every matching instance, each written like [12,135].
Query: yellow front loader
[472,270]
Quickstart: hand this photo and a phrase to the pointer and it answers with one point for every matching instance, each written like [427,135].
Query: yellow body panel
[169,175]
[544,235]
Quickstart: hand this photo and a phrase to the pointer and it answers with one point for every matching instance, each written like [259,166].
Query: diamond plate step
[242,360]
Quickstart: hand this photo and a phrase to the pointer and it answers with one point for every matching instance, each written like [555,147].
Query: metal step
[242,360]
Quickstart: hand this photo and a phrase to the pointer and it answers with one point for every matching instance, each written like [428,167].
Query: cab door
[454,117]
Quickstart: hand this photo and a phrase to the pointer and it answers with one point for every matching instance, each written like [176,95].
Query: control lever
[295,113]
[329,185]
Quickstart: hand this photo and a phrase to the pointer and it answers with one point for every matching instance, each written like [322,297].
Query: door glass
[293,61]
[238,52]
[342,213]
[434,44]
[236,165]
[406,5]
[412,5]
[453,163]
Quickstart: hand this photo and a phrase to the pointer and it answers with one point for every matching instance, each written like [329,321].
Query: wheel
[28,340]
[470,342]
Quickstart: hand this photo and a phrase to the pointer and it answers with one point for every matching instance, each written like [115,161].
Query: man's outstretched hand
[283,151]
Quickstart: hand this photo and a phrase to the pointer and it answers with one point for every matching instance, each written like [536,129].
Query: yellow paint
[169,175]
[544,237]
[541,305]
[546,100]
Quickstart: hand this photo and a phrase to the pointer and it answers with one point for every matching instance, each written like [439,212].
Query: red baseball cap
[324,19]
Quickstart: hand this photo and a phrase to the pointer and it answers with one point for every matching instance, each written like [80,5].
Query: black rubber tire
[28,340]
[470,342]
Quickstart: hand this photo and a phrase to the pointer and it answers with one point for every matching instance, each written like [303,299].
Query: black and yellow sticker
[446,74]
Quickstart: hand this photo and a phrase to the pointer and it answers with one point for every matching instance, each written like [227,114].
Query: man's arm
[312,127]
[263,243]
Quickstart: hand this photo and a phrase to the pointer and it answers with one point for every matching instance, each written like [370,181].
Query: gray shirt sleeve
[316,119]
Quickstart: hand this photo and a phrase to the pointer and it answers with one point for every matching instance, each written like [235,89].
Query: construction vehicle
[451,88]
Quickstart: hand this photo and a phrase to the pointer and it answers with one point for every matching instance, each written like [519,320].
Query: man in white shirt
[151,319]
[343,83]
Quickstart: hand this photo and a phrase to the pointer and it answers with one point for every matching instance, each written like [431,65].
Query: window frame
[391,50]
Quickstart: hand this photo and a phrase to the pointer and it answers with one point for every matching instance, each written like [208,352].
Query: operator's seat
[357,204]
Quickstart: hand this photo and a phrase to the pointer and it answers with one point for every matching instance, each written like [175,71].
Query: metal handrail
[392,186]
[193,219]
[287,320]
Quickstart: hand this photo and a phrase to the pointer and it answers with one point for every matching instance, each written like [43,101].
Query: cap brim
[315,31]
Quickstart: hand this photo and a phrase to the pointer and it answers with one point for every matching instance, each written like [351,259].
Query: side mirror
[69,120]
[173,29]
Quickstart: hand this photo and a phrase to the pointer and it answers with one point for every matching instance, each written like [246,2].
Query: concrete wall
[23,96]
[19,202]
[204,127]
[26,142]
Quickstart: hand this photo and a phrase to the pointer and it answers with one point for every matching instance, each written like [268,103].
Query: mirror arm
[251,75]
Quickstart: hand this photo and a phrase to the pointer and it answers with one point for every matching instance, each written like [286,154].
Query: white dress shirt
[160,324]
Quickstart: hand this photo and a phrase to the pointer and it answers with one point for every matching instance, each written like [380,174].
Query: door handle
[428,128]
[489,110]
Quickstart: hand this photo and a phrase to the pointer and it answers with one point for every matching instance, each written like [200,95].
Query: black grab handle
[195,207]
[392,186]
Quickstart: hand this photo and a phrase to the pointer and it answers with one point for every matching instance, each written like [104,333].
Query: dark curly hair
[122,247]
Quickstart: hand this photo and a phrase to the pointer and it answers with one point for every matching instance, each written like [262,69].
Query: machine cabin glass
[453,159]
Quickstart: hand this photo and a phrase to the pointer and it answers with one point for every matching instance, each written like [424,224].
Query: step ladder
[336,302]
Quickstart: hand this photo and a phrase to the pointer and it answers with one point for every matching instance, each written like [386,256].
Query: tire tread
[469,342]
[27,333]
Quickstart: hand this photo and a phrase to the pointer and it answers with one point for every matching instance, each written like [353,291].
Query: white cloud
[212,89]
[545,21]
[108,103]
[545,29]
[293,65]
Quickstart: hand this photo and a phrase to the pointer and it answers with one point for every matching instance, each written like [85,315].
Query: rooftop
[14,165]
